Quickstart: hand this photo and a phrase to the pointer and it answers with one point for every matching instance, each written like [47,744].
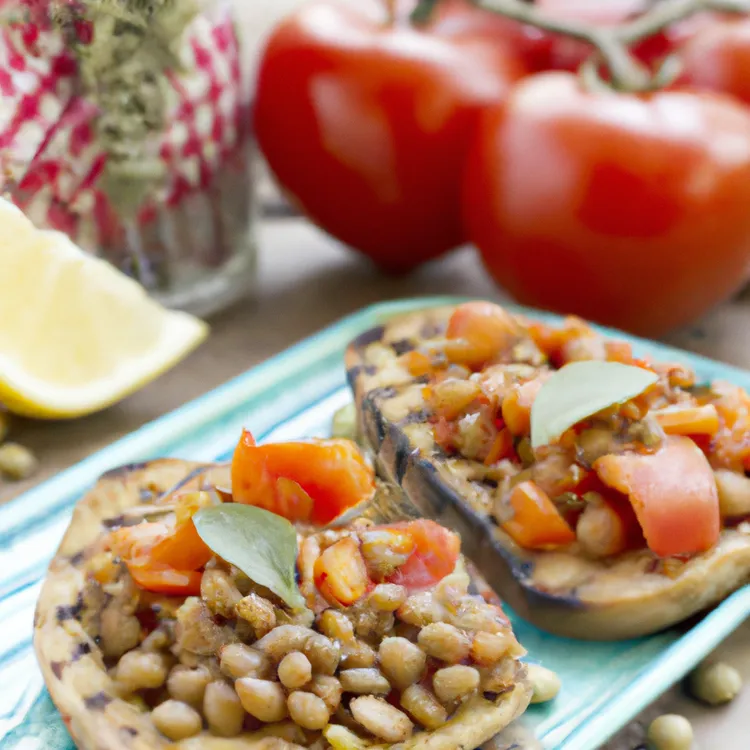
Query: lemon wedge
[76,335]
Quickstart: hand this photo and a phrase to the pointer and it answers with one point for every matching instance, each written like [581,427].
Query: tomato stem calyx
[612,42]
[423,11]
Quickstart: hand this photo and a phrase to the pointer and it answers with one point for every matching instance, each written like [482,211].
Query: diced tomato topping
[688,420]
[167,580]
[434,557]
[183,549]
[619,351]
[536,522]
[517,405]
[444,432]
[673,493]
[333,473]
[502,447]
[478,332]
[162,558]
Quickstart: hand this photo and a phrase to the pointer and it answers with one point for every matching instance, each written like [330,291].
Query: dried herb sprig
[123,71]
[124,49]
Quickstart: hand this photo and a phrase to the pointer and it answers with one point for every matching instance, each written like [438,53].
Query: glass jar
[132,136]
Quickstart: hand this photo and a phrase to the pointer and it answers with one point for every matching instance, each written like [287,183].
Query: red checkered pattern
[50,156]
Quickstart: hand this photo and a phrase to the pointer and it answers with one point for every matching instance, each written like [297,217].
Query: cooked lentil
[188,685]
[139,670]
[715,683]
[424,707]
[294,670]
[455,683]
[308,710]
[382,719]
[257,611]
[402,661]
[336,625]
[219,592]
[364,681]
[329,689]
[387,597]
[223,709]
[176,720]
[488,648]
[445,642]
[357,654]
[545,682]
[670,732]
[17,462]
[239,660]
[263,699]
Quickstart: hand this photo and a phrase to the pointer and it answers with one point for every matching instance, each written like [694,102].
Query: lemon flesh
[76,335]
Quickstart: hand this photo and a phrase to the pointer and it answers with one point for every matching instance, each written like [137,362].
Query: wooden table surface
[307,281]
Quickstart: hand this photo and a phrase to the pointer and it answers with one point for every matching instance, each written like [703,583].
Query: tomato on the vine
[367,126]
[718,57]
[631,210]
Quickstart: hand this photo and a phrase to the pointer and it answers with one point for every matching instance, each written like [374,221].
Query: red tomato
[718,58]
[331,472]
[673,493]
[628,210]
[367,127]
[435,554]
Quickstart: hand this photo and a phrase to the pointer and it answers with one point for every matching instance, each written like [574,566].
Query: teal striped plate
[293,395]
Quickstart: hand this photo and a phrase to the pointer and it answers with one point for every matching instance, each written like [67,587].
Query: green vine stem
[610,42]
[423,12]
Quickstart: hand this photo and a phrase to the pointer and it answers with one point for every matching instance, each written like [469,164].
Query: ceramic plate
[295,395]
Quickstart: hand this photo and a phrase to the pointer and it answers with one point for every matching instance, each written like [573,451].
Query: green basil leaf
[579,390]
[261,544]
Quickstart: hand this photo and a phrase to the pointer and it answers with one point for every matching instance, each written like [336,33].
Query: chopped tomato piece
[553,341]
[619,351]
[517,405]
[584,347]
[183,549]
[166,580]
[340,573]
[479,332]
[548,339]
[673,493]
[502,447]
[436,551]
[445,434]
[130,542]
[293,502]
[688,420]
[332,472]
[417,363]
[161,558]
[536,523]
